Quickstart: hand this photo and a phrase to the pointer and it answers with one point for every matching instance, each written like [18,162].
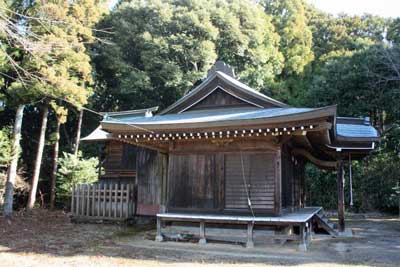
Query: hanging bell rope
[350,182]
[246,187]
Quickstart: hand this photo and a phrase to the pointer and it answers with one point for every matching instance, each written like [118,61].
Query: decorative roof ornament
[222,67]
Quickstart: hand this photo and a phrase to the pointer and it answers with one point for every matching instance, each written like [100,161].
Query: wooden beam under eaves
[320,137]
[313,159]
[152,146]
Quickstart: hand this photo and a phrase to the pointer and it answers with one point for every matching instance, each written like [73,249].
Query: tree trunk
[55,166]
[78,133]
[38,162]
[12,169]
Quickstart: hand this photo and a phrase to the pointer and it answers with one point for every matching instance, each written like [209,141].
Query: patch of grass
[96,248]
[132,230]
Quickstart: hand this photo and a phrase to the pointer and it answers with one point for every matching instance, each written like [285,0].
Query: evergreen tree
[291,22]
[45,57]
[393,31]
[64,66]
[161,49]
[61,118]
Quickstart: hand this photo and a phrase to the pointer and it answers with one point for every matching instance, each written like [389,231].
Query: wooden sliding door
[194,181]
[254,171]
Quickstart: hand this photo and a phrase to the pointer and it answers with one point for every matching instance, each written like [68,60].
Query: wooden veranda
[283,226]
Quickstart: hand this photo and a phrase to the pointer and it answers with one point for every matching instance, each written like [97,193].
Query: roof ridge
[190,93]
[231,80]
[248,88]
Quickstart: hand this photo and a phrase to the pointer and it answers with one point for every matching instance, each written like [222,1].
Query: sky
[384,8]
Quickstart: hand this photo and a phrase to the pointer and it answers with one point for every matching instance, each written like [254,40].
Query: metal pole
[350,181]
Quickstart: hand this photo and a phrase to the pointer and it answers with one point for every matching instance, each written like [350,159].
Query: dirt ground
[43,238]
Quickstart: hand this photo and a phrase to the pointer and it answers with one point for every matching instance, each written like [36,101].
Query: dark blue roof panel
[356,131]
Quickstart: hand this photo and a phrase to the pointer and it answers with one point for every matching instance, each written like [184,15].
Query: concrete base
[348,232]
[302,247]
[159,238]
[249,244]
[202,241]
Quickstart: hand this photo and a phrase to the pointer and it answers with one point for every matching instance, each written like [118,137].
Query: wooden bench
[301,218]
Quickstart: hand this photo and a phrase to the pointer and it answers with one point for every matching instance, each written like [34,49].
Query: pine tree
[45,57]
[65,66]
[61,118]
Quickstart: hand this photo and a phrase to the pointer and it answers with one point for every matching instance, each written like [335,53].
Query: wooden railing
[103,201]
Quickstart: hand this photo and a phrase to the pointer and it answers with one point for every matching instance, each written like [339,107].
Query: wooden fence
[103,201]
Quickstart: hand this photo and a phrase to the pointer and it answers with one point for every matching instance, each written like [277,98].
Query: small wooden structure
[120,163]
[225,153]
[103,202]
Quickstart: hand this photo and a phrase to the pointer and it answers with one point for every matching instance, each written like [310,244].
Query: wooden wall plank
[151,172]
[214,181]
[120,163]
[194,181]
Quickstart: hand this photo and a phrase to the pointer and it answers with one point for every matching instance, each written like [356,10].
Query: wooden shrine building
[226,154]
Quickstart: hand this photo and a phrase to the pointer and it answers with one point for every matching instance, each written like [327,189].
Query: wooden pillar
[309,227]
[303,237]
[278,183]
[164,189]
[202,240]
[250,242]
[159,237]
[302,185]
[340,192]
[100,153]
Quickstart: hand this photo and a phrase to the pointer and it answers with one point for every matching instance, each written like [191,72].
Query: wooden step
[325,224]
